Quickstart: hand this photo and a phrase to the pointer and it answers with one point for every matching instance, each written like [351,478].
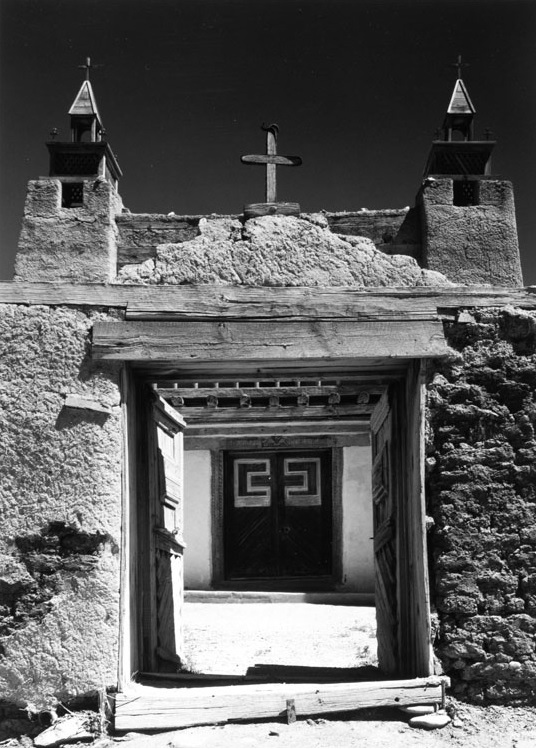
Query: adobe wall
[475,244]
[393,231]
[276,251]
[60,473]
[76,245]
[481,457]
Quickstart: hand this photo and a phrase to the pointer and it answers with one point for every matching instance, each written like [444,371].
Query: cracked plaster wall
[60,479]
[276,251]
[481,493]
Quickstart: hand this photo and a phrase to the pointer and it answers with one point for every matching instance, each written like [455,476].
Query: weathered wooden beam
[243,302]
[91,295]
[266,392]
[312,303]
[258,341]
[153,708]
[263,159]
[266,413]
[199,437]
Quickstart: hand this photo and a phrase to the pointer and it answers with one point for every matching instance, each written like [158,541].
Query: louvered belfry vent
[83,164]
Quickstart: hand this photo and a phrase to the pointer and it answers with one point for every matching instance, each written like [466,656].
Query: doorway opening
[275,473]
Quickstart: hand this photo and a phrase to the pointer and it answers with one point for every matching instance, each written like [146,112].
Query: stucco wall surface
[482,497]
[60,492]
[76,244]
[277,251]
[475,244]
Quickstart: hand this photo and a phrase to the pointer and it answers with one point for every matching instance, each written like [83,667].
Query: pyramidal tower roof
[85,103]
[460,103]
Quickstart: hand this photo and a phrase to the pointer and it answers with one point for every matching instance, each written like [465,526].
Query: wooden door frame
[410,404]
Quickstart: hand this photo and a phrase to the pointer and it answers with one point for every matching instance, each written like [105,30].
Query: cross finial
[459,65]
[88,66]
[271,160]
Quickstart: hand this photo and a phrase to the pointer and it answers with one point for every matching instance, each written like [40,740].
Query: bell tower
[68,231]
[87,154]
[468,217]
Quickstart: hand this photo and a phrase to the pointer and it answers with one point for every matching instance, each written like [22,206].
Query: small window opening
[465,192]
[72,194]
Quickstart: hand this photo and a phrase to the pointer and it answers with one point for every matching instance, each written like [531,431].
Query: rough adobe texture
[393,231]
[482,496]
[475,244]
[68,244]
[277,251]
[60,479]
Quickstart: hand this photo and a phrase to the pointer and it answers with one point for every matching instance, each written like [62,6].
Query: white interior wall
[357,556]
[357,544]
[197,520]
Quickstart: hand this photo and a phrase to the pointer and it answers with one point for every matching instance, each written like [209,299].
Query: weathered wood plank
[258,341]
[254,210]
[93,295]
[242,302]
[264,158]
[151,708]
[198,438]
[303,304]
[194,414]
[265,392]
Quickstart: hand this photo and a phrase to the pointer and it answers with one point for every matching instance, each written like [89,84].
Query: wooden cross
[271,161]
[459,65]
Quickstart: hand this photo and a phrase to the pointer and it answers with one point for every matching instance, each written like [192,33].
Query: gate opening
[278,459]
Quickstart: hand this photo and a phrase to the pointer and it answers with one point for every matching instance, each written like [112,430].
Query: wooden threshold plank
[151,708]
[258,341]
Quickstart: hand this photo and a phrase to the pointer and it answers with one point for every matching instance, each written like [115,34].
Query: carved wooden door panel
[277,514]
[166,481]
[385,535]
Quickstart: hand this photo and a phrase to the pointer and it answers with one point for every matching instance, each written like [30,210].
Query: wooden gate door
[384,485]
[277,515]
[167,545]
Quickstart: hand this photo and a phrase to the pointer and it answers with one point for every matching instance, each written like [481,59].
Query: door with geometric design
[277,514]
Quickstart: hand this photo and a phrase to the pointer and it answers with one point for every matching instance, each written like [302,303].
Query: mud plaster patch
[45,564]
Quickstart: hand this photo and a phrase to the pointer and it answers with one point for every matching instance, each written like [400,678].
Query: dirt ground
[478,727]
[229,638]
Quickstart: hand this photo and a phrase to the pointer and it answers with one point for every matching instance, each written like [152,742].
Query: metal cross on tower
[88,66]
[271,161]
[459,65]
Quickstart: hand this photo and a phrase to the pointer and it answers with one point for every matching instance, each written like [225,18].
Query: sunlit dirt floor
[228,638]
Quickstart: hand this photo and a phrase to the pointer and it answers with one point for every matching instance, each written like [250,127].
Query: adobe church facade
[337,402]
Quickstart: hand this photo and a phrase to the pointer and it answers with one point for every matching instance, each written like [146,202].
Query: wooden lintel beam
[267,341]
[194,414]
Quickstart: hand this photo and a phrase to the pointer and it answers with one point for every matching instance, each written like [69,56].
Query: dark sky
[357,87]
